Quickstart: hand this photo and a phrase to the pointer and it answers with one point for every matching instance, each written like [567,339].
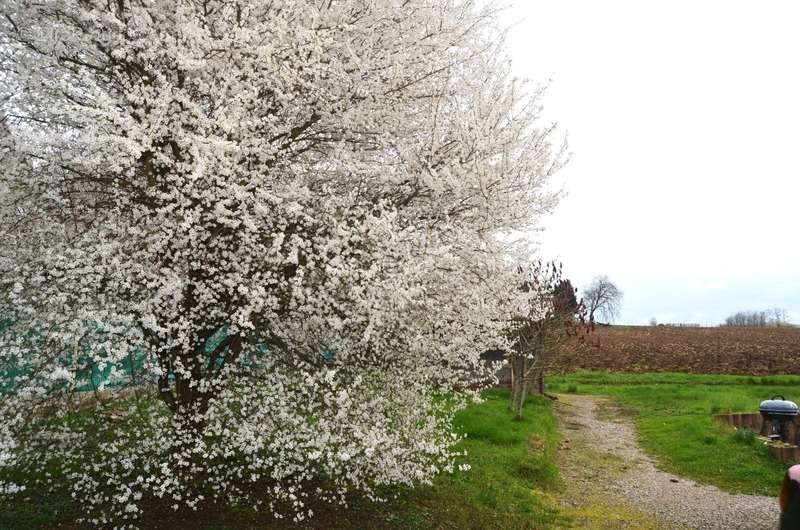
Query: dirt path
[612,483]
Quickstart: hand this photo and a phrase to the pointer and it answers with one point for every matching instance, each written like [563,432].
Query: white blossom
[288,220]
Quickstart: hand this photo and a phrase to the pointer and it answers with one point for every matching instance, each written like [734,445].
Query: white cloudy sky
[683,120]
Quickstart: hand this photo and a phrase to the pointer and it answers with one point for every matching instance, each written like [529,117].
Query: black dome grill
[779,412]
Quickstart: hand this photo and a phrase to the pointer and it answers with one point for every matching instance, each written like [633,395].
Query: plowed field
[751,351]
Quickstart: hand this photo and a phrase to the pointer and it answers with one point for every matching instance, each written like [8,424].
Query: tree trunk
[517,381]
[522,393]
[513,389]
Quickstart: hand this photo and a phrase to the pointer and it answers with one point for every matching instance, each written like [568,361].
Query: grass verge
[513,475]
[674,418]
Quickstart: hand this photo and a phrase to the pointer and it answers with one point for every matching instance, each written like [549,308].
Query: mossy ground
[587,471]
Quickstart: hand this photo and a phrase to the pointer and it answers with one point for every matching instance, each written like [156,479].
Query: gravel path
[611,483]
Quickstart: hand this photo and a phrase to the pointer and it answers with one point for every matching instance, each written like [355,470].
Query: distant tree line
[768,317]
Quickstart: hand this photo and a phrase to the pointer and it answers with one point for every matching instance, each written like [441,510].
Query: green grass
[674,417]
[512,485]
[512,478]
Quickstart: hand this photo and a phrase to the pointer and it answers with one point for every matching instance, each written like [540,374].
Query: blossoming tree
[284,218]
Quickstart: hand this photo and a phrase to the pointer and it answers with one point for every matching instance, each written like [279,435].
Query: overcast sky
[683,120]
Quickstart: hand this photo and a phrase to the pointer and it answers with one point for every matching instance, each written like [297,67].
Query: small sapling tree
[550,314]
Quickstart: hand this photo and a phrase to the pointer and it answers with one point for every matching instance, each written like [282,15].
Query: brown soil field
[748,351]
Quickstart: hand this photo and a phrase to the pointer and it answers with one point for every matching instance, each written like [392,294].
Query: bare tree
[603,298]
[653,321]
[778,316]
